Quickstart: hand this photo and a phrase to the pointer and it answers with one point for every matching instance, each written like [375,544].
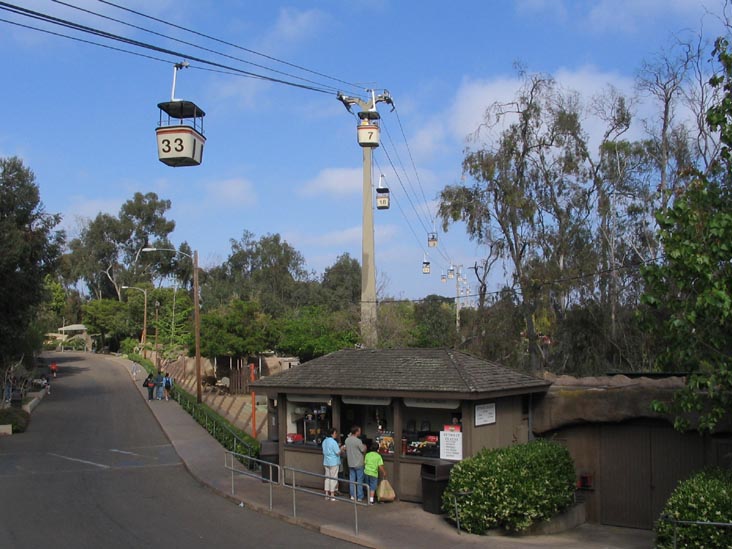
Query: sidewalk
[397,524]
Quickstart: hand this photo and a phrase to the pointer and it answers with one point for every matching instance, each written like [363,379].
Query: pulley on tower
[382,195]
[180,130]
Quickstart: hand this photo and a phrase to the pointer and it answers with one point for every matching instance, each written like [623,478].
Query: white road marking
[100,465]
[124,452]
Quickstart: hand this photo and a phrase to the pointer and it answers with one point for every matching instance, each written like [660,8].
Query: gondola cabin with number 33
[180,133]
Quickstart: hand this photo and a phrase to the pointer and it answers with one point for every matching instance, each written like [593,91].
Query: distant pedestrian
[373,465]
[135,370]
[355,450]
[159,385]
[167,385]
[54,368]
[331,462]
[149,384]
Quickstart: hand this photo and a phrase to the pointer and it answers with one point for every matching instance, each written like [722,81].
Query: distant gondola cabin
[180,133]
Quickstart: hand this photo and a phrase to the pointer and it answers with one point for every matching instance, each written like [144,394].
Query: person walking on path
[167,385]
[373,464]
[149,384]
[159,385]
[354,453]
[331,462]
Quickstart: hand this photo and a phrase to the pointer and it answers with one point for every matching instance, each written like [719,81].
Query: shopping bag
[385,492]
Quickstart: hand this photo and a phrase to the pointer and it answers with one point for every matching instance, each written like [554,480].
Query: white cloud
[230,193]
[343,237]
[294,26]
[334,181]
[628,16]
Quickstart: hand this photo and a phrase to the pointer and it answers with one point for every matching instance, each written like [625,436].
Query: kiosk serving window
[423,421]
[309,418]
[374,415]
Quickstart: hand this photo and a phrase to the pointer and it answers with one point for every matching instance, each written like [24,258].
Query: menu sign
[451,445]
[485,414]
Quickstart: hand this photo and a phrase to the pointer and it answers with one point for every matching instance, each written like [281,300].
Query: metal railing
[455,497]
[220,431]
[232,458]
[295,488]
[676,523]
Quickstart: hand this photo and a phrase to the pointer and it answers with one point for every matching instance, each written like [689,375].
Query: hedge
[511,488]
[706,496]
[17,417]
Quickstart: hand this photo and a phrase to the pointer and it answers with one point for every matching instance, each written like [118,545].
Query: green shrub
[16,417]
[128,346]
[511,487]
[705,496]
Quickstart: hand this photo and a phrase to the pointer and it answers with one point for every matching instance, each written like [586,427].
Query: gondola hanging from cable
[382,195]
[425,265]
[432,240]
[180,129]
[451,272]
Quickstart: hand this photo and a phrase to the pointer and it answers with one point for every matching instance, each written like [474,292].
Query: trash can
[435,477]
[269,452]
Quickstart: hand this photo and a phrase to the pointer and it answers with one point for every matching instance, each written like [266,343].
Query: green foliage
[341,283]
[30,251]
[107,253]
[128,346]
[689,295]
[512,487]
[434,320]
[108,317]
[16,417]
[240,330]
[705,496]
[311,332]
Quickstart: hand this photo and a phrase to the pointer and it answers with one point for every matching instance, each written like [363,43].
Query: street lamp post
[143,339]
[196,312]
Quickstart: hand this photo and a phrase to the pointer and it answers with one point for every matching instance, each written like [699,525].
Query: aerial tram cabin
[425,266]
[382,195]
[451,272]
[443,278]
[180,133]
[432,240]
[180,129]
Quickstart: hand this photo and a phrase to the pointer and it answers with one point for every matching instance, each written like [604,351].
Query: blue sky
[280,159]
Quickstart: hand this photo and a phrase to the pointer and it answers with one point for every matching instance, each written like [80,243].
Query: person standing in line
[373,464]
[354,453]
[167,385]
[149,384]
[331,462]
[159,385]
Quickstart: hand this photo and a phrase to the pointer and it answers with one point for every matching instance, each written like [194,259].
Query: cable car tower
[180,129]
[368,138]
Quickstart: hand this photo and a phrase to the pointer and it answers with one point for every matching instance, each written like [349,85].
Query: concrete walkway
[397,524]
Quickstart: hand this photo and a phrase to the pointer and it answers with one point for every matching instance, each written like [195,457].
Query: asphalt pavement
[95,470]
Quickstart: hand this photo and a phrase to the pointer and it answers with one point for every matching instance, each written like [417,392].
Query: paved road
[95,470]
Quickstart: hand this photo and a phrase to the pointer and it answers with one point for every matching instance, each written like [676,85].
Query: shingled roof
[402,371]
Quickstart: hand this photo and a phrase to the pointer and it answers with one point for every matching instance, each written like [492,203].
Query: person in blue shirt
[331,462]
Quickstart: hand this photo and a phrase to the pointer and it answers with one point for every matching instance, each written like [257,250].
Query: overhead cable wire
[248,50]
[103,16]
[111,36]
[404,215]
[411,158]
[76,38]
[404,171]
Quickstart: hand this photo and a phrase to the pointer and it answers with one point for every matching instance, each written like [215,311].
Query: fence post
[294,503]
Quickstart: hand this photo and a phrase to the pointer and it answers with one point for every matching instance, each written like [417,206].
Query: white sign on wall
[485,414]
[451,445]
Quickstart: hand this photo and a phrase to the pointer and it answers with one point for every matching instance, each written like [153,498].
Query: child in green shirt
[373,464]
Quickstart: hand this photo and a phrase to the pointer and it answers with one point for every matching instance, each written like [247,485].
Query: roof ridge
[470,384]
